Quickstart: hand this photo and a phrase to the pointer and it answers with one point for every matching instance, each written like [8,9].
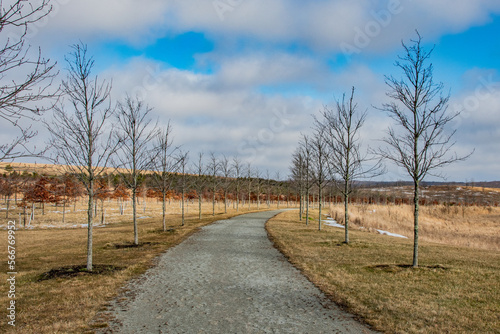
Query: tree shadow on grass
[78,270]
[129,245]
[395,268]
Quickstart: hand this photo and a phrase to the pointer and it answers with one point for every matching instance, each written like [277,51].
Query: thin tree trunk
[320,194]
[90,216]
[225,201]
[134,208]
[307,206]
[182,199]
[346,216]
[7,214]
[415,221]
[163,208]
[199,206]
[213,202]
[64,210]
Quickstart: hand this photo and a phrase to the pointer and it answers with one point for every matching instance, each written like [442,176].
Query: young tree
[25,81]
[306,151]
[226,171]
[199,181]
[164,165]
[183,160]
[78,130]
[319,162]
[342,128]
[297,171]
[135,134]
[249,184]
[420,145]
[213,169]
[237,167]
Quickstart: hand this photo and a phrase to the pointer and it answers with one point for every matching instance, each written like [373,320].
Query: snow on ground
[333,223]
[391,234]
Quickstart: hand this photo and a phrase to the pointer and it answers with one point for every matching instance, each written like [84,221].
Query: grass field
[455,290]
[53,295]
[470,226]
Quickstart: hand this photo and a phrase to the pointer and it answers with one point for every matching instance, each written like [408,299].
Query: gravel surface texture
[227,278]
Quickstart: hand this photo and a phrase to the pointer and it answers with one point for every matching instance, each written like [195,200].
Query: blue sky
[243,77]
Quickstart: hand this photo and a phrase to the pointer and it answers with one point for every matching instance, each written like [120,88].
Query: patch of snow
[391,234]
[333,223]
[144,217]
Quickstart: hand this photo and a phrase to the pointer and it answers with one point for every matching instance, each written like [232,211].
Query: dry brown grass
[456,289]
[470,226]
[68,304]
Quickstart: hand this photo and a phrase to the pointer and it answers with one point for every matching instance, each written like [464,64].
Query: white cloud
[208,114]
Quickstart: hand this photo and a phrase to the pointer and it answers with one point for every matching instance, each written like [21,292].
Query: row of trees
[417,142]
[84,140]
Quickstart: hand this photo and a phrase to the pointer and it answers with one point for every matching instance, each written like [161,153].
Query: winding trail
[227,278]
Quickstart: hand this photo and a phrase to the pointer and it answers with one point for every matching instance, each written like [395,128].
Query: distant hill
[42,169]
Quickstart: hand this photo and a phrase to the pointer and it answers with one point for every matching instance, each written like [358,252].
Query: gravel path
[227,278]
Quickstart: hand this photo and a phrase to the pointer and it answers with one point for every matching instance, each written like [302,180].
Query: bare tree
[164,165]
[297,170]
[213,169]
[183,159]
[226,170]
[135,135]
[419,110]
[306,151]
[279,187]
[25,81]
[268,188]
[342,128]
[200,181]
[249,184]
[78,130]
[237,167]
[319,164]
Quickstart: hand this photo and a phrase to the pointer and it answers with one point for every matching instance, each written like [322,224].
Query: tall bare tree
[183,160]
[238,168]
[200,181]
[226,173]
[135,133]
[342,127]
[163,164]
[213,169]
[249,184]
[420,144]
[306,151]
[25,81]
[297,170]
[78,129]
[319,164]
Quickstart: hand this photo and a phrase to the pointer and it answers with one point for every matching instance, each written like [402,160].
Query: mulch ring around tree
[129,245]
[78,270]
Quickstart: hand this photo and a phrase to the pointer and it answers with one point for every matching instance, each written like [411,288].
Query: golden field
[469,226]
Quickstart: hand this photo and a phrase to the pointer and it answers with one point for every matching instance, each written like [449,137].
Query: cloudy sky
[243,77]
